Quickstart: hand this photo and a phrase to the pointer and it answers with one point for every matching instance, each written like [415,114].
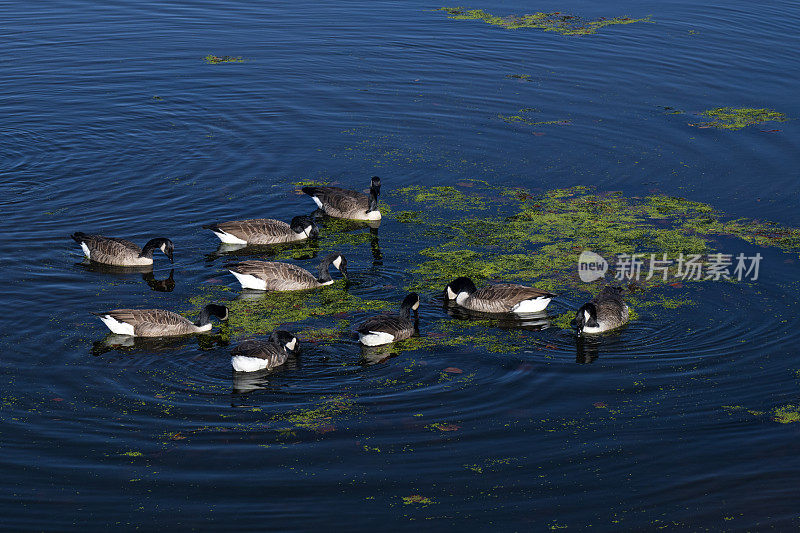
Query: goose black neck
[373,199]
[324,273]
[219,311]
[405,311]
[148,249]
[204,318]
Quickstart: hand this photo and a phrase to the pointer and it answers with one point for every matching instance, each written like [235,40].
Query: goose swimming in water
[500,298]
[252,355]
[383,329]
[274,276]
[159,322]
[605,312]
[344,203]
[119,252]
[264,230]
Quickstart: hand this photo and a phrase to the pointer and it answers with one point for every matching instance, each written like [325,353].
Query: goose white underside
[120,328]
[596,329]
[534,305]
[86,250]
[248,364]
[375,338]
[250,282]
[227,238]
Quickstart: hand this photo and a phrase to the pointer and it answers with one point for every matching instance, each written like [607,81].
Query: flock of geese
[605,312]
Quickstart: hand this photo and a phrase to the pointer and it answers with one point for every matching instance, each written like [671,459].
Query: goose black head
[304,224]
[286,340]
[159,243]
[410,302]
[339,262]
[215,310]
[457,287]
[585,317]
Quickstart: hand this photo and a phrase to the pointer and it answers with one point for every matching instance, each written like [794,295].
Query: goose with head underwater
[252,354]
[344,203]
[159,322]
[498,298]
[605,312]
[264,230]
[384,329]
[119,252]
[276,276]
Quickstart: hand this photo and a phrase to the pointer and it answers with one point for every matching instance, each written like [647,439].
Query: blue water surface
[113,122]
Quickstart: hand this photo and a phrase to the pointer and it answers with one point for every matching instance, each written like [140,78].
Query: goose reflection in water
[160,285]
[130,344]
[374,355]
[244,383]
[586,350]
[529,321]
[146,271]
[307,249]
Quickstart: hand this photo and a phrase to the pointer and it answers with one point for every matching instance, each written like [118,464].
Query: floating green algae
[216,60]
[517,236]
[319,418]
[259,314]
[446,197]
[417,499]
[523,77]
[554,21]
[524,117]
[732,118]
[786,414]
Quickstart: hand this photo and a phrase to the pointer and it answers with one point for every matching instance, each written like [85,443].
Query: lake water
[113,122]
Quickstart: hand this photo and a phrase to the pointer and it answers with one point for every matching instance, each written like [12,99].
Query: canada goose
[343,203]
[273,276]
[119,252]
[159,322]
[383,329]
[605,312]
[500,298]
[264,230]
[252,354]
